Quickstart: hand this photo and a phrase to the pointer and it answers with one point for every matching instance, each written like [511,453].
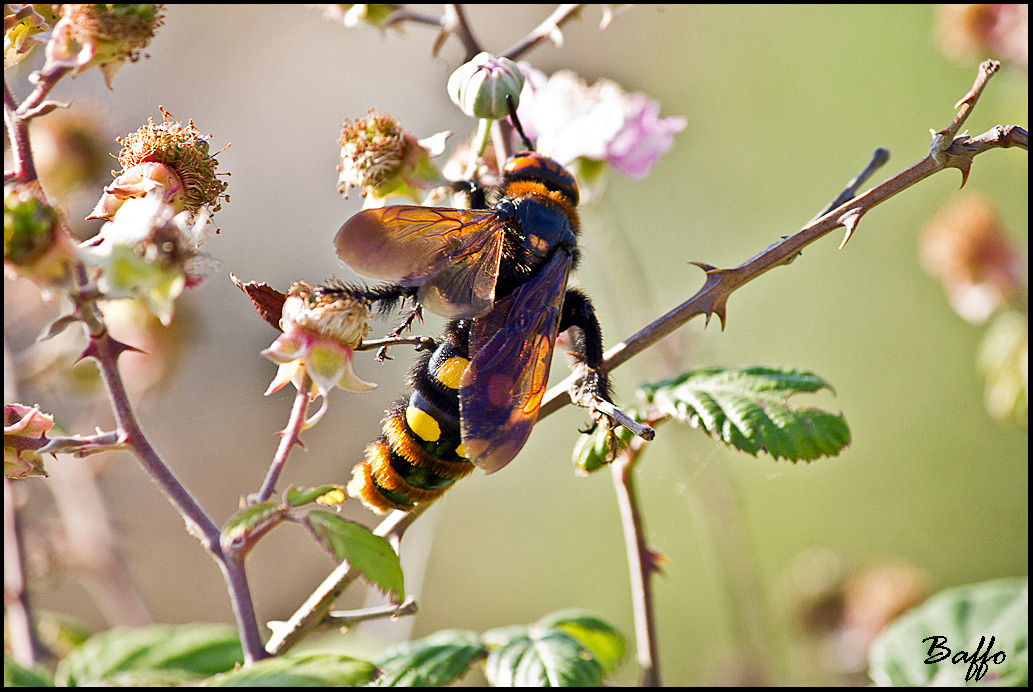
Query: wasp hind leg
[593,382]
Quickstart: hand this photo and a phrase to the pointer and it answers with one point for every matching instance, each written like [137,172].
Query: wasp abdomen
[420,454]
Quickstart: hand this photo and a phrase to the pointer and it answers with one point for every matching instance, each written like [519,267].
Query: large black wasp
[499,273]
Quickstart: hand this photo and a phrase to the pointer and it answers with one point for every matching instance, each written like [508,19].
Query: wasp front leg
[386,298]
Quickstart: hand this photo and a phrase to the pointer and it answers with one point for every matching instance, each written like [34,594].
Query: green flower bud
[480,87]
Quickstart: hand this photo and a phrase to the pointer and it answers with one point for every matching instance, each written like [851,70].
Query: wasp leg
[588,347]
[384,299]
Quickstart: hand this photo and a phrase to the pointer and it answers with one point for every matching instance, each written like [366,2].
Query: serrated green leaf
[198,650]
[594,633]
[747,408]
[965,616]
[540,658]
[17,675]
[368,553]
[434,661]
[249,521]
[302,496]
[312,670]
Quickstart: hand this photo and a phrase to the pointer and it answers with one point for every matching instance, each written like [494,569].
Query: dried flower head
[321,328]
[107,36]
[380,158]
[975,30]
[967,248]
[171,156]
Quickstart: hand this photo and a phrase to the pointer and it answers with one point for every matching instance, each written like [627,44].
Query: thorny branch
[106,350]
[711,299]
[720,283]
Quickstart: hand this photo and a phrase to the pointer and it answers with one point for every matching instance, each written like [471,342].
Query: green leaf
[250,521]
[369,554]
[965,616]
[540,657]
[312,670]
[302,496]
[594,633]
[17,675]
[747,408]
[195,650]
[437,660]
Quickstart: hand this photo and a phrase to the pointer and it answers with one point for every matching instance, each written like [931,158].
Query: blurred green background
[784,106]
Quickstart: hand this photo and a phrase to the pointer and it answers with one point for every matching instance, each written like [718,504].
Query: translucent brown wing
[511,349]
[452,255]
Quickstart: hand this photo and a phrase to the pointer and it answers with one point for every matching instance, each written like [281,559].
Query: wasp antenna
[516,122]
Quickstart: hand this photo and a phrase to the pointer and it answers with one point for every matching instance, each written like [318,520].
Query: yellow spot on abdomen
[423,424]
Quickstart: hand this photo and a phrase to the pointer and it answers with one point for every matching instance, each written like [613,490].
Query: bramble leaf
[565,649]
[594,633]
[366,552]
[153,654]
[250,522]
[435,661]
[295,497]
[312,670]
[540,658]
[748,408]
[964,619]
[17,675]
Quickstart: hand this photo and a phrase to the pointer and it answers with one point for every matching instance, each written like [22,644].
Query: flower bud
[35,243]
[480,87]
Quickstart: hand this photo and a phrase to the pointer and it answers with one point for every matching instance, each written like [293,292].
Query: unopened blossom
[382,159]
[171,158]
[105,36]
[149,252]
[570,120]
[485,86]
[321,328]
[25,431]
[36,244]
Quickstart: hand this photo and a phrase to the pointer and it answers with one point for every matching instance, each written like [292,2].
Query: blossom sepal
[137,181]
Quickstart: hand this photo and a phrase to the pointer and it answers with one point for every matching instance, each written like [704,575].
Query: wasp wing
[452,255]
[511,349]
